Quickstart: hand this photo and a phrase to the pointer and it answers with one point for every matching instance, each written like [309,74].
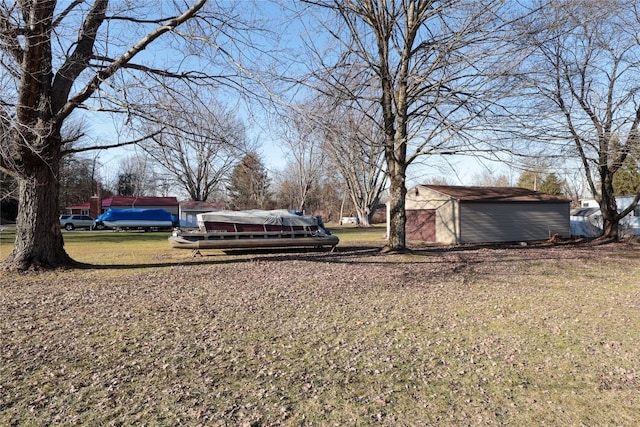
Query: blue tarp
[137,215]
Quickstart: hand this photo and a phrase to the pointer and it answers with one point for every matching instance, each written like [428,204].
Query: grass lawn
[537,335]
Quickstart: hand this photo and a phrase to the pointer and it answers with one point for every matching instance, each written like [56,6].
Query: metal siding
[447,228]
[510,222]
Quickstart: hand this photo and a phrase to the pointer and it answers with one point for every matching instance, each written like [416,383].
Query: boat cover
[112,215]
[257,216]
[586,222]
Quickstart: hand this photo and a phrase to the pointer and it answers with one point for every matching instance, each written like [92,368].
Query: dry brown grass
[484,336]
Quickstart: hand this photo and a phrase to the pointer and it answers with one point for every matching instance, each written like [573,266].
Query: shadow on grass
[466,254]
[373,254]
[190,261]
[238,256]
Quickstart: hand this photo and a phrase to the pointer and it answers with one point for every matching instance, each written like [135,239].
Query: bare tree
[58,59]
[198,146]
[8,187]
[427,64]
[77,180]
[136,177]
[285,192]
[352,142]
[303,139]
[491,178]
[582,67]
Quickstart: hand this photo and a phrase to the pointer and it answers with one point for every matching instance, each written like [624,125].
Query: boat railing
[262,233]
[262,229]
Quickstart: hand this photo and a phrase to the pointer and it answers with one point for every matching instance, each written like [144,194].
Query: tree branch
[78,61]
[117,145]
[93,85]
[66,12]
[191,75]
[9,36]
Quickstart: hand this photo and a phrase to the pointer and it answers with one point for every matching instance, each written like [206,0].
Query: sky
[283,37]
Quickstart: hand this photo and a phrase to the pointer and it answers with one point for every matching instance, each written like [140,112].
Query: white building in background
[189,210]
[630,224]
[589,203]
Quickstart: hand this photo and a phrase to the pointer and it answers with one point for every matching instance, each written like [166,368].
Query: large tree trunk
[35,145]
[609,208]
[610,230]
[364,217]
[39,243]
[397,214]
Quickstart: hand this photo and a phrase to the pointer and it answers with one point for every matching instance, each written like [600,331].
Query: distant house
[190,209]
[458,214]
[95,208]
[589,203]
[80,209]
[622,202]
[630,224]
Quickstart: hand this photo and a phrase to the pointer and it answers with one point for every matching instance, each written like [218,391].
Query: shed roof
[494,194]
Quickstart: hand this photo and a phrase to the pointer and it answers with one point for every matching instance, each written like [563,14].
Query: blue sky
[282,45]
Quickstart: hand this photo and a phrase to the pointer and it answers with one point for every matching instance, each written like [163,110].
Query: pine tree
[551,184]
[249,184]
[530,180]
[627,181]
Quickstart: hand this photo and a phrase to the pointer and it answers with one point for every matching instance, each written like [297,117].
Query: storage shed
[459,214]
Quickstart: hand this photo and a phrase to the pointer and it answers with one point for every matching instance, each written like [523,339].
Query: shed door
[421,225]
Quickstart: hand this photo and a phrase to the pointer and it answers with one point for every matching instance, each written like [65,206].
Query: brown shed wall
[421,225]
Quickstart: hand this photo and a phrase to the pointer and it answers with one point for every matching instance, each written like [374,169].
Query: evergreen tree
[548,183]
[530,179]
[627,181]
[249,184]
[551,184]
